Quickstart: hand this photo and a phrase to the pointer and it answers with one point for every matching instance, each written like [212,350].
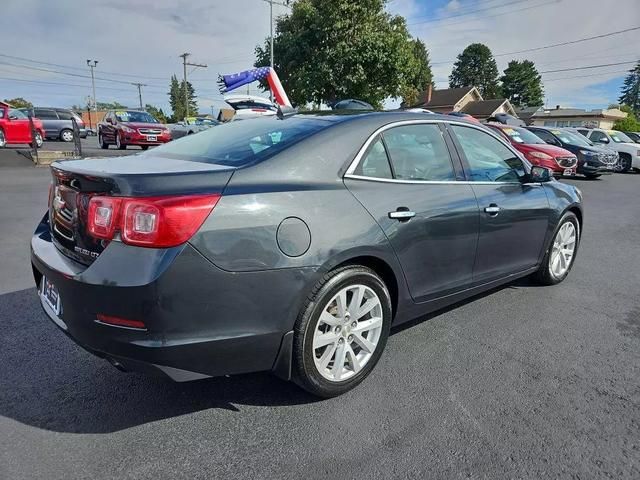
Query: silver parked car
[57,122]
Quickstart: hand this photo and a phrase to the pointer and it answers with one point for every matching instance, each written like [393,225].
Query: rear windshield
[240,143]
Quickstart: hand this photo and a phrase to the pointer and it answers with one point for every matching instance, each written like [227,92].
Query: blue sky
[140,42]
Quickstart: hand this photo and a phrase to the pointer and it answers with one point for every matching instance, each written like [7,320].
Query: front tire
[3,139]
[119,144]
[144,147]
[342,331]
[625,163]
[66,135]
[592,176]
[561,253]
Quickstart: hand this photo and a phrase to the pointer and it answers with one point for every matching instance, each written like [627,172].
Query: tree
[110,106]
[155,112]
[176,99]
[476,67]
[418,75]
[327,50]
[19,102]
[630,94]
[522,84]
[628,124]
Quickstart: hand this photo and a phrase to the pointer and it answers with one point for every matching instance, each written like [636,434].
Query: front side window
[45,114]
[488,159]
[16,114]
[375,162]
[419,152]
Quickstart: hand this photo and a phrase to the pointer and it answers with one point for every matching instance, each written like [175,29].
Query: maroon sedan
[537,151]
[131,127]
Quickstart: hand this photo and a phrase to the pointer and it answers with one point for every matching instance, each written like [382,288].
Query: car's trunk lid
[76,181]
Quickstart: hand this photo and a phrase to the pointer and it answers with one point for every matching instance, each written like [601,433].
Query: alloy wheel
[563,249]
[347,332]
[39,141]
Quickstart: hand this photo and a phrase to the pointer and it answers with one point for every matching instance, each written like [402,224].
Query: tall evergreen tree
[476,67]
[522,84]
[176,99]
[630,94]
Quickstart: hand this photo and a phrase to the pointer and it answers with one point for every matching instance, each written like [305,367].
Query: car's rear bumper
[200,320]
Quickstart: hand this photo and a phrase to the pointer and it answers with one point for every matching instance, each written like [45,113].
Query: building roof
[579,112]
[446,97]
[483,108]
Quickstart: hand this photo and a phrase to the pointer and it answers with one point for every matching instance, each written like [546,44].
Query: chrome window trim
[354,164]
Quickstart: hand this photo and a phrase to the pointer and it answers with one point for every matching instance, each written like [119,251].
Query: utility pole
[184,71]
[283,4]
[92,64]
[140,85]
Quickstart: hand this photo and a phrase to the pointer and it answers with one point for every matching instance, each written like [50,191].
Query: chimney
[557,107]
[429,91]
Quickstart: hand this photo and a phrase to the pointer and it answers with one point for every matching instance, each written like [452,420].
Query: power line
[545,47]
[601,74]
[587,67]
[463,13]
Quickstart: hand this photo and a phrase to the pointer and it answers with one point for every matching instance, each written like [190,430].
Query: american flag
[236,80]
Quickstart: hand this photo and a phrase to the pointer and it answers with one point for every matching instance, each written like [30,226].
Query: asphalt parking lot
[522,382]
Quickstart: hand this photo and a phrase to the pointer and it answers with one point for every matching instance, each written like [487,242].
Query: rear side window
[240,143]
[64,115]
[419,152]
[488,159]
[375,162]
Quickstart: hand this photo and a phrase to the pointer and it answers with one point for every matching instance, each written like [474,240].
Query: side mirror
[12,117]
[603,140]
[540,174]
[109,120]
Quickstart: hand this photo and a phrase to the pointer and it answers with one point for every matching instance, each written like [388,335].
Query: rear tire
[561,253]
[103,145]
[3,140]
[38,142]
[341,331]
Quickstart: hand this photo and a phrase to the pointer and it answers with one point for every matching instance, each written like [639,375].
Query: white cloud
[542,23]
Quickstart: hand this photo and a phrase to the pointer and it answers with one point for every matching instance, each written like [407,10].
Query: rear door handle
[402,213]
[492,209]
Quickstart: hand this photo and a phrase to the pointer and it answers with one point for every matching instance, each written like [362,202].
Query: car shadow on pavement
[50,383]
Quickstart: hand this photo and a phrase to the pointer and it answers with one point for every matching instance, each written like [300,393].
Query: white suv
[628,150]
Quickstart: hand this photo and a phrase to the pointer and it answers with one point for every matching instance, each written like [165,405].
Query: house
[577,117]
[465,99]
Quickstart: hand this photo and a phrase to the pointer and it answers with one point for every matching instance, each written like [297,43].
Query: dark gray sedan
[292,244]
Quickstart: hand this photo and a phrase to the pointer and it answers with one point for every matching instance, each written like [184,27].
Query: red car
[536,150]
[15,127]
[131,127]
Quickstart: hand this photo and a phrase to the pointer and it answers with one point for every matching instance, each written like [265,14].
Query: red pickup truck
[15,127]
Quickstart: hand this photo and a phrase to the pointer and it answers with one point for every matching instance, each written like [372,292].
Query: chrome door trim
[356,160]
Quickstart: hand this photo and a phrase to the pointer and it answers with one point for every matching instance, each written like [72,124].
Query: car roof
[383,117]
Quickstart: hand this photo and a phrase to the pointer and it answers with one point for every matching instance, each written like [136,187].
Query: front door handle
[492,210]
[402,213]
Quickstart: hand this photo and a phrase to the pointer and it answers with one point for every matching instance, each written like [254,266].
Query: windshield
[521,135]
[569,138]
[619,137]
[135,116]
[239,143]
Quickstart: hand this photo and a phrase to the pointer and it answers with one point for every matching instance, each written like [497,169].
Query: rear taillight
[149,222]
